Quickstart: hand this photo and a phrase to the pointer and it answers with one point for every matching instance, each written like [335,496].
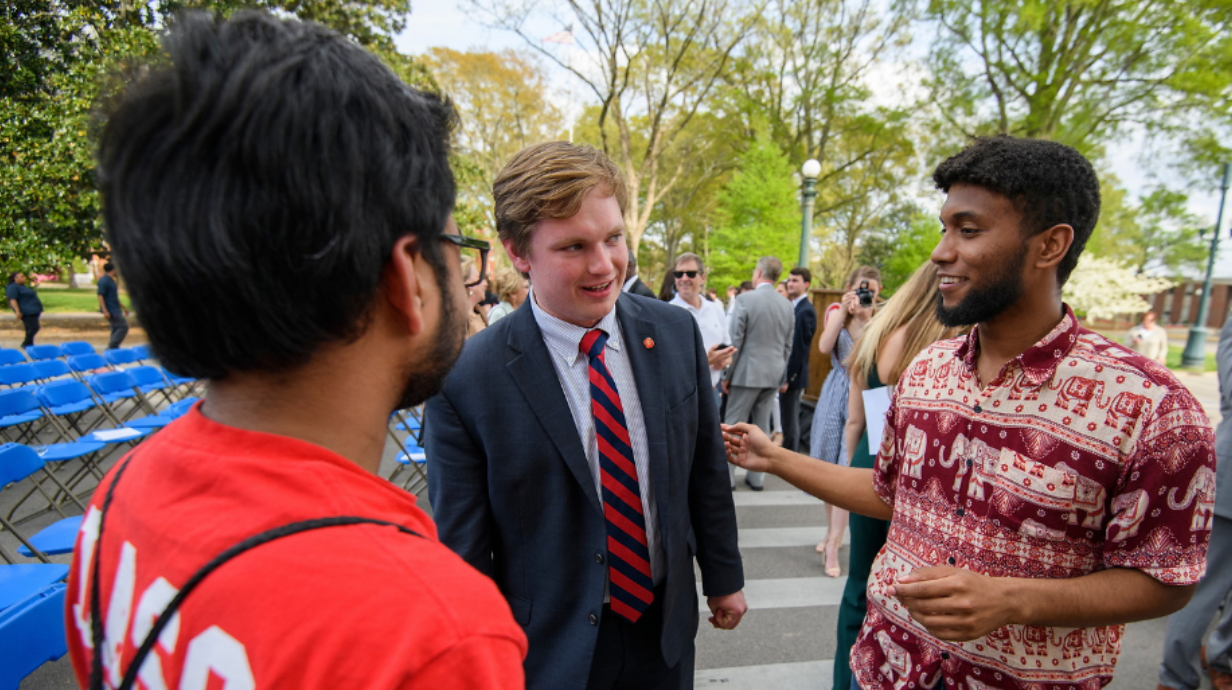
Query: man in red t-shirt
[281,156]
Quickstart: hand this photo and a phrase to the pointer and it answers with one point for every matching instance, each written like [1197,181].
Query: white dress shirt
[712,322]
[573,372]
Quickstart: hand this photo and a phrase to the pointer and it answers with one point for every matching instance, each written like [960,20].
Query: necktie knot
[593,342]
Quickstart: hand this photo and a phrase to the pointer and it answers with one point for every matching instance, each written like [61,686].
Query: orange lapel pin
[648,343]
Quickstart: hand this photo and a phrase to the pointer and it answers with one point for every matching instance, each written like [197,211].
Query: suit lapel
[651,393]
[531,367]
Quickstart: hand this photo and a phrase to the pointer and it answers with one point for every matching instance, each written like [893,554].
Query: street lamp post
[1195,347]
[810,170]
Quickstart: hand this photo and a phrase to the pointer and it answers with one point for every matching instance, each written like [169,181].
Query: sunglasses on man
[681,274]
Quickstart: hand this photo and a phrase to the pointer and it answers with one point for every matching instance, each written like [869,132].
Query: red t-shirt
[361,606]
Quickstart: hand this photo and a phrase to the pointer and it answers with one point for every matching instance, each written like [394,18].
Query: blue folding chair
[414,461]
[20,414]
[76,348]
[19,375]
[141,352]
[41,352]
[8,356]
[117,386]
[57,538]
[31,634]
[49,370]
[85,364]
[18,462]
[68,404]
[18,582]
[187,384]
[150,380]
[119,356]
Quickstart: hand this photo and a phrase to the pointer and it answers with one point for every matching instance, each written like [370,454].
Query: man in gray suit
[1183,642]
[761,326]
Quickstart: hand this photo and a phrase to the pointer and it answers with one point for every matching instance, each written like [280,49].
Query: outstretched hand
[747,447]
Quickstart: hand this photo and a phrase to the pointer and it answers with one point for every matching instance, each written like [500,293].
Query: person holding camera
[844,323]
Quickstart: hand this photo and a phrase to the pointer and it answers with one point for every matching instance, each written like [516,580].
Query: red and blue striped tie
[631,587]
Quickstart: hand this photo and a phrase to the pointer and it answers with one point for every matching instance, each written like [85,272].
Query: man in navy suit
[575,450]
[798,281]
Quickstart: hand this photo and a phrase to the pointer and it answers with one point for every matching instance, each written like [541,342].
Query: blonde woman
[511,288]
[903,327]
[844,322]
[475,321]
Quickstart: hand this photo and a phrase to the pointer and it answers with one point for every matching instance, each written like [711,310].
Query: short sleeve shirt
[712,323]
[110,294]
[1080,456]
[28,302]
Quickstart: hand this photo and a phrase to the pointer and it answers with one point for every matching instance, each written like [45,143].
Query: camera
[865,295]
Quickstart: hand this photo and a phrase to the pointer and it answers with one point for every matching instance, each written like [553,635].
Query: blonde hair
[914,306]
[506,282]
[550,180]
[467,264]
[865,273]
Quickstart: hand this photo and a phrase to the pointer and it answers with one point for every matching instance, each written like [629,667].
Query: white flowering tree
[1101,288]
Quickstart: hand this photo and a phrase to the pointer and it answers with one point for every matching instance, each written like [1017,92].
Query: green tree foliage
[1154,234]
[758,215]
[59,61]
[504,105]
[913,245]
[1078,71]
[807,74]
[648,63]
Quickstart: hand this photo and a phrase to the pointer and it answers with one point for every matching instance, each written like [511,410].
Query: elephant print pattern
[1080,456]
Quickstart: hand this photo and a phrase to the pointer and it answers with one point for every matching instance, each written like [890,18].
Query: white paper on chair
[116,434]
[876,405]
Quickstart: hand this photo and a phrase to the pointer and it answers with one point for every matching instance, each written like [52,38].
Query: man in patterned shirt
[1030,469]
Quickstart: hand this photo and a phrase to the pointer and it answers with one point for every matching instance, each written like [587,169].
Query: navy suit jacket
[801,344]
[513,494]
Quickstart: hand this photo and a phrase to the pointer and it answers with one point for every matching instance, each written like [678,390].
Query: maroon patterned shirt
[1081,455]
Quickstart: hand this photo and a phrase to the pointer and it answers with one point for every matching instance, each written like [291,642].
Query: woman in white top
[1149,340]
[511,289]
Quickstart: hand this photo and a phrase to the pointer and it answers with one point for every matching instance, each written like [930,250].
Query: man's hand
[106,314]
[725,386]
[748,447]
[720,357]
[783,388]
[954,604]
[726,611]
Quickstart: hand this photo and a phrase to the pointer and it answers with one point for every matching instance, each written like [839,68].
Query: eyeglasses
[464,243]
[681,274]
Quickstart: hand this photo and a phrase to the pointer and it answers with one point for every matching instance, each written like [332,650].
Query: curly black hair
[1049,183]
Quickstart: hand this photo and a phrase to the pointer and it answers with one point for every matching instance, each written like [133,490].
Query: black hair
[803,272]
[1048,183]
[13,277]
[254,189]
[107,267]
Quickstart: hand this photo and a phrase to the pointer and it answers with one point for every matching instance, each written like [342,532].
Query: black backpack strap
[130,676]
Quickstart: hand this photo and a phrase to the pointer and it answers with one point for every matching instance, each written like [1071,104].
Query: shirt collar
[682,302]
[562,337]
[629,283]
[1037,362]
[796,302]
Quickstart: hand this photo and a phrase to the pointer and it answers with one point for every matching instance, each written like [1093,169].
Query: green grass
[1174,359]
[70,300]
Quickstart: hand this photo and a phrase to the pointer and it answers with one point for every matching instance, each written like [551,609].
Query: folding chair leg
[24,542]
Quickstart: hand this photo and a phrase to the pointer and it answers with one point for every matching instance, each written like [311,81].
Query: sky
[444,23]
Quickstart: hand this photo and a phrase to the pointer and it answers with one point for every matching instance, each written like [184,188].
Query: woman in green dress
[903,327]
